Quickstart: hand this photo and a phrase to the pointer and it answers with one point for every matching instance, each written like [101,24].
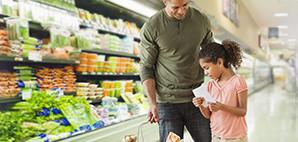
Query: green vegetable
[31,41]
[24,29]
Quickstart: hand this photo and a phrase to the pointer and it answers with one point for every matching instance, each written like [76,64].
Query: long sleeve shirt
[169,54]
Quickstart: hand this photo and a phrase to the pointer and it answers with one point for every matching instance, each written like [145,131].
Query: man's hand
[153,114]
[198,101]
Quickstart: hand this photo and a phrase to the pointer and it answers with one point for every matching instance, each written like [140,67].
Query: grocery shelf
[69,93]
[51,5]
[112,11]
[57,61]
[108,76]
[4,100]
[94,101]
[104,31]
[36,30]
[117,131]
[3,16]
[45,60]
[113,53]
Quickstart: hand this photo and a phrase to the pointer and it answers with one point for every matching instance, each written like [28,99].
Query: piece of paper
[202,91]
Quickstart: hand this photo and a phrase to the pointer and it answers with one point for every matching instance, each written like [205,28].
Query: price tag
[26,94]
[19,59]
[35,56]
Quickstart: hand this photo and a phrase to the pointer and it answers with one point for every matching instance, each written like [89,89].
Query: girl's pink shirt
[225,124]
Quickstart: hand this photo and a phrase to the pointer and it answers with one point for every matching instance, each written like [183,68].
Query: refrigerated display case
[111,60]
[116,132]
[257,73]
[246,71]
[262,74]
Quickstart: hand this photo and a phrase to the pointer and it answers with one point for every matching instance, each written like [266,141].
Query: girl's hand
[198,101]
[216,106]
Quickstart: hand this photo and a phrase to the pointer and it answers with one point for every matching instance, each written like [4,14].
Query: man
[170,43]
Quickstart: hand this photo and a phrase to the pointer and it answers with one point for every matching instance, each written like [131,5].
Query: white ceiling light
[135,6]
[281,14]
[292,40]
[283,27]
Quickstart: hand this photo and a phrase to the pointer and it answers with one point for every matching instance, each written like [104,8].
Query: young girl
[227,115]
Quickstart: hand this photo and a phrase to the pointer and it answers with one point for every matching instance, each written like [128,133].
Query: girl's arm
[205,112]
[239,110]
[198,102]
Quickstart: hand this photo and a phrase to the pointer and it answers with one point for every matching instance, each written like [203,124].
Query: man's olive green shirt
[169,54]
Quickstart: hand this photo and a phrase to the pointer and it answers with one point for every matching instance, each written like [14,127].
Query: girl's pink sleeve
[241,85]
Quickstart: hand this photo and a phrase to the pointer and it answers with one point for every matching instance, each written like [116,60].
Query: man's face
[176,8]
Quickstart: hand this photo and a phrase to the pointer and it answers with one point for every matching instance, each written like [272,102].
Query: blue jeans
[173,118]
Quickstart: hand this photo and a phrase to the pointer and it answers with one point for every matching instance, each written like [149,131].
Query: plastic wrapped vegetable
[13,26]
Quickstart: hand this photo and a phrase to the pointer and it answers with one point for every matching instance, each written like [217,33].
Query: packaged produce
[24,29]
[31,41]
[13,27]
[59,37]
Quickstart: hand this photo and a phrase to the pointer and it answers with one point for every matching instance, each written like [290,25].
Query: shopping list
[202,91]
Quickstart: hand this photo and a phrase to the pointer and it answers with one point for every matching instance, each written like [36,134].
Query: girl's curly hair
[229,51]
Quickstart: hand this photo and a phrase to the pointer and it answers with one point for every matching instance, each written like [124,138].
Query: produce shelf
[117,131]
[4,100]
[104,31]
[107,76]
[72,11]
[44,61]
[113,53]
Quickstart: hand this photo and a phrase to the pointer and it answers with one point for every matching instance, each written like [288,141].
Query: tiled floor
[272,116]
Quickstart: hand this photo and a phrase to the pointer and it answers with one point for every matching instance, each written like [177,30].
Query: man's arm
[148,56]
[149,87]
[148,53]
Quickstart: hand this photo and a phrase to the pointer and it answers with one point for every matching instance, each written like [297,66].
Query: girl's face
[212,70]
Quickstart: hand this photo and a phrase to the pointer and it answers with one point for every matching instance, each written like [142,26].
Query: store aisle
[272,115]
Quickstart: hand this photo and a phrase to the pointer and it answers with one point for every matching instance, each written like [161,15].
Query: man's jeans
[173,118]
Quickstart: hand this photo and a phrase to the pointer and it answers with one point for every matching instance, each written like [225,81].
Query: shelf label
[35,56]
[26,94]
[18,59]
